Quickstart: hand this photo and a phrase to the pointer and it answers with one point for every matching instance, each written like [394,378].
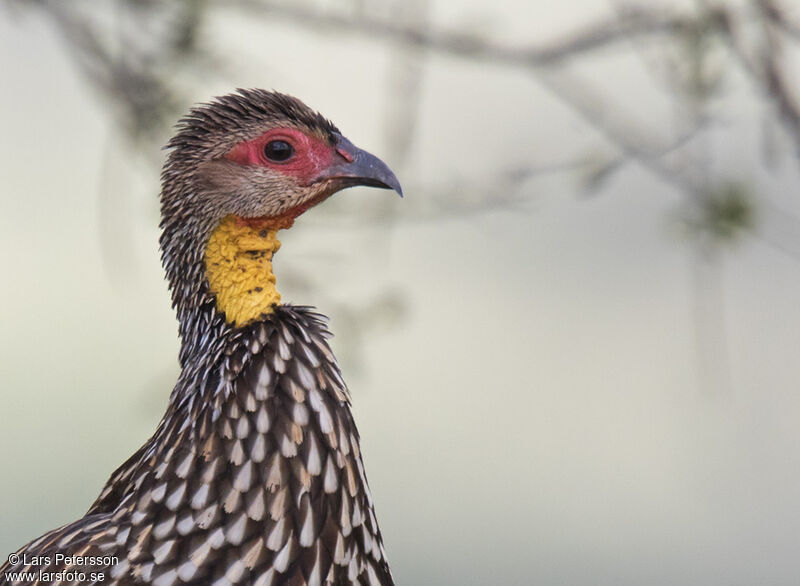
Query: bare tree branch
[634,22]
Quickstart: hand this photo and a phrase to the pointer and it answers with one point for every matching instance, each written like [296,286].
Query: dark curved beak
[359,167]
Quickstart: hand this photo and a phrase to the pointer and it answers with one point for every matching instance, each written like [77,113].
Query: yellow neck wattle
[239,269]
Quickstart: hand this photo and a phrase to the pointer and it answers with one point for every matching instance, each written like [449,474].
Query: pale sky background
[536,417]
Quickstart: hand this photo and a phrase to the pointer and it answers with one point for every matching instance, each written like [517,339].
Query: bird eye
[278,151]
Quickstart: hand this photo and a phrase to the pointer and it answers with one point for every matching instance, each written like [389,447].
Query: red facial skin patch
[311,154]
[311,157]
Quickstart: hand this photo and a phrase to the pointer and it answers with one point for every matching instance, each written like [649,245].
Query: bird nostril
[345,154]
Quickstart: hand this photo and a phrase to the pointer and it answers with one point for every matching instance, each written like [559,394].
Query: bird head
[252,160]
[259,154]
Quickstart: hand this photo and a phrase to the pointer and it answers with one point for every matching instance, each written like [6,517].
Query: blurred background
[573,345]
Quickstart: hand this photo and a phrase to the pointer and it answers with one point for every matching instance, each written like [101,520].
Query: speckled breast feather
[254,475]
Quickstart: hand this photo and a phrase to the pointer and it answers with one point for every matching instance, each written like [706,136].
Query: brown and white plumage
[254,475]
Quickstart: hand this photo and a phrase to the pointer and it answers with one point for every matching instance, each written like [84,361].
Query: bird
[254,474]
